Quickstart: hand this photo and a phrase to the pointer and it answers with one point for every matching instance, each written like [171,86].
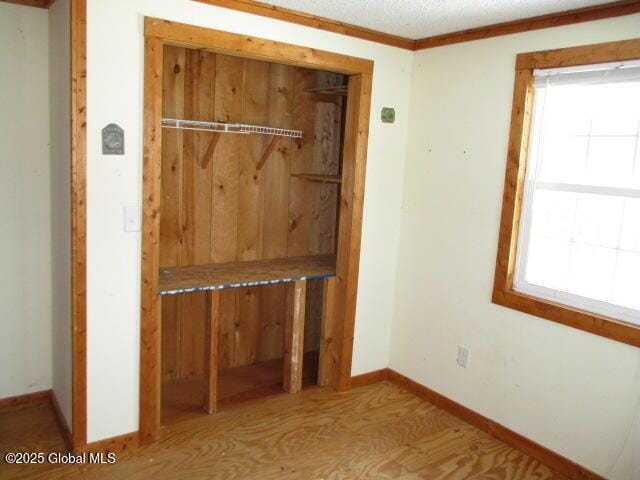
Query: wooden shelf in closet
[216,276]
[312,177]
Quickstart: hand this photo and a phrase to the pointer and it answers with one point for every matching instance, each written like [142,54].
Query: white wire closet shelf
[220,127]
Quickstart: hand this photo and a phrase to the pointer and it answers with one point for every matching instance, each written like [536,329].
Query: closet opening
[253,186]
[251,170]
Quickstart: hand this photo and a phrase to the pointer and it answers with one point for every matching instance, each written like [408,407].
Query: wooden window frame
[340,295]
[503,291]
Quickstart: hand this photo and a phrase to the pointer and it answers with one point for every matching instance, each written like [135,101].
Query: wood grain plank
[300,220]
[182,398]
[255,48]
[211,352]
[313,315]
[514,178]
[251,191]
[250,208]
[226,172]
[294,336]
[196,204]
[529,447]
[236,274]
[350,222]
[79,221]
[328,360]
[226,168]
[323,197]
[326,161]
[377,431]
[276,210]
[24,401]
[171,202]
[150,361]
[583,55]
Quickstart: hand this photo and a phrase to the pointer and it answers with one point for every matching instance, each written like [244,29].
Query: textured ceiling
[425,18]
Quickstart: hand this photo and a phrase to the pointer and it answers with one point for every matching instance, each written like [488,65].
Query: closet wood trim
[150,361]
[78,54]
[189,36]
[159,33]
[350,224]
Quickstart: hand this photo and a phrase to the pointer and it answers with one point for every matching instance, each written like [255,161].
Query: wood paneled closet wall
[217,206]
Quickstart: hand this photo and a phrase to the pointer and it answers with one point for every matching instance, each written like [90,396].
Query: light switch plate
[132,219]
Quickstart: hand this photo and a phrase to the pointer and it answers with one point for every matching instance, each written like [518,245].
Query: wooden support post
[211,351]
[294,336]
[208,155]
[327,332]
[268,151]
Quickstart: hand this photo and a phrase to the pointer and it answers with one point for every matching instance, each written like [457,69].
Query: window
[579,239]
[570,232]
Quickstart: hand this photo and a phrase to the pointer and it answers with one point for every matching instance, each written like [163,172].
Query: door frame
[77,437]
[337,346]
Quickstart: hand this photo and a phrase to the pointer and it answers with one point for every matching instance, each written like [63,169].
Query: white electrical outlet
[463,356]
[132,219]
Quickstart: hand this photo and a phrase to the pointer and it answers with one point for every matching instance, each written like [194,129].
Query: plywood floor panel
[379,431]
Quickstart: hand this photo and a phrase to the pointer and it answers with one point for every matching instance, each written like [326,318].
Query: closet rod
[228,128]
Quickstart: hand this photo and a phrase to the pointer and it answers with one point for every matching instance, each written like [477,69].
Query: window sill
[572,317]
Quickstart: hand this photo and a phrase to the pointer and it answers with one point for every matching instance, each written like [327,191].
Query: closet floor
[182,399]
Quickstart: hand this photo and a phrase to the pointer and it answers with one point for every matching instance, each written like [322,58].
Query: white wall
[575,393]
[60,115]
[25,283]
[115,68]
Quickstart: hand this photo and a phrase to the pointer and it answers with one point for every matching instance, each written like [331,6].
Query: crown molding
[568,17]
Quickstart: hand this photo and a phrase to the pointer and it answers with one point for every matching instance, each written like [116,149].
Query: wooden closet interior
[249,215]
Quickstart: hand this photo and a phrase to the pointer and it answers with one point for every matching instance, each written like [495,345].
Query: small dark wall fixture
[112,140]
[388,115]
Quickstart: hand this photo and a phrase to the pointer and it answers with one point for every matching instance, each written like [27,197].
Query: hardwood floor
[379,431]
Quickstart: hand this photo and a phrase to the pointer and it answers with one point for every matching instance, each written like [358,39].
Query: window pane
[598,220]
[548,262]
[566,112]
[630,234]
[616,108]
[554,214]
[591,271]
[564,159]
[610,161]
[583,247]
[626,290]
